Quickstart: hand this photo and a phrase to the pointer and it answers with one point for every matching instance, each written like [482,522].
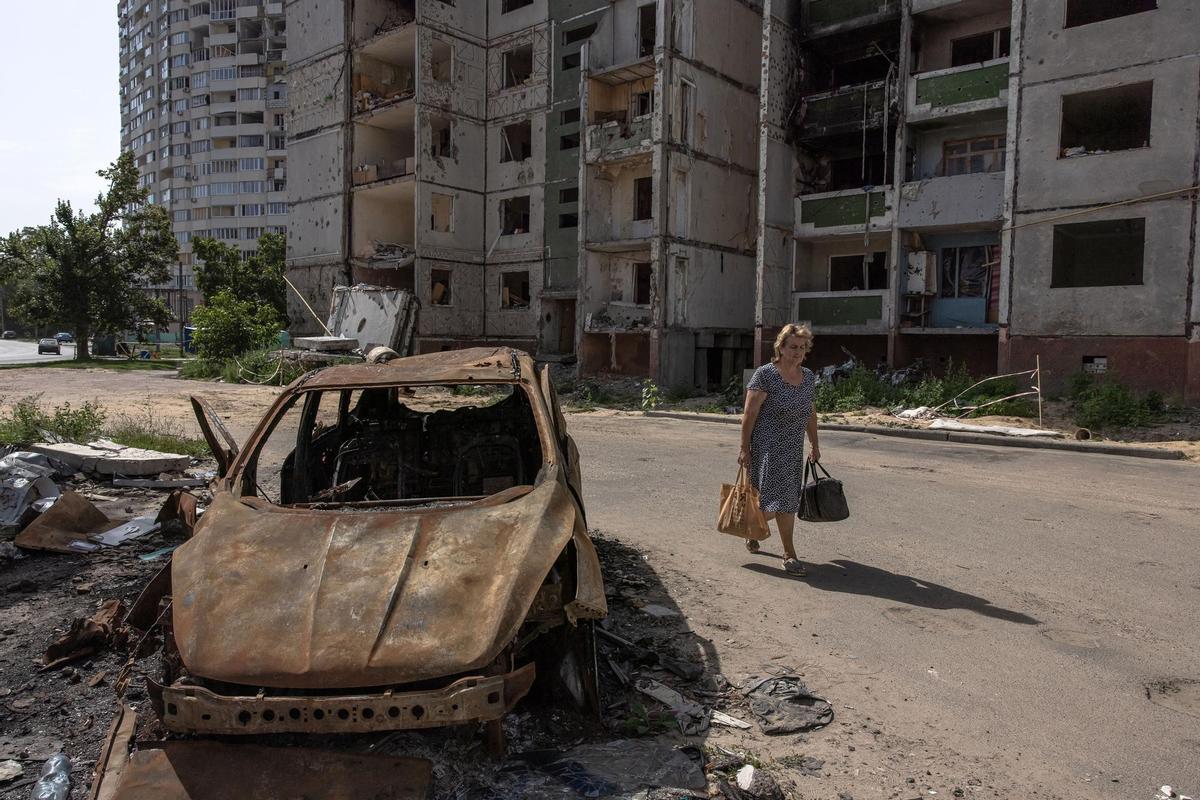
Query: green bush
[1107,403]
[227,326]
[864,389]
[26,420]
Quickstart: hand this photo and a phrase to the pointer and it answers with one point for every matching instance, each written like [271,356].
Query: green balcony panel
[831,12]
[840,310]
[845,108]
[846,209]
[984,83]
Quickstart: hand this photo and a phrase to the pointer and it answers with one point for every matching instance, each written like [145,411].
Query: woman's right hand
[744,457]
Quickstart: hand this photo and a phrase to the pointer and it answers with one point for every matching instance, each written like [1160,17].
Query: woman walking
[779,412]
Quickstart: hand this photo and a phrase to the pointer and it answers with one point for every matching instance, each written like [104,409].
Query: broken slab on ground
[103,457]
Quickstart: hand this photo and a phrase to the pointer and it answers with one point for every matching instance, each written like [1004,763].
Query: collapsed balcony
[374,18]
[620,105]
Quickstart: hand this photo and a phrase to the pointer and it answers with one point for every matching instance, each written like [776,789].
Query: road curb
[956,436]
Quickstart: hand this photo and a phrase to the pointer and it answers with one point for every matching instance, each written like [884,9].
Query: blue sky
[58,91]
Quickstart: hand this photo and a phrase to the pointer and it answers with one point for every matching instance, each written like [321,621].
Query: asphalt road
[1029,617]
[15,351]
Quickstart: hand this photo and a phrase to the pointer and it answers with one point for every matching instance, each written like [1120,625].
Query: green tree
[258,279]
[90,271]
[227,326]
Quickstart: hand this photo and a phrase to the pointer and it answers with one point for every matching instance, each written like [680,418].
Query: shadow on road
[854,578]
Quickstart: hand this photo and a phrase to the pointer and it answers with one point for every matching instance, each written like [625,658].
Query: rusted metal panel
[476,364]
[192,709]
[202,770]
[304,598]
[211,425]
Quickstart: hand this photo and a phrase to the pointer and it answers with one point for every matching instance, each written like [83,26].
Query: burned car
[399,545]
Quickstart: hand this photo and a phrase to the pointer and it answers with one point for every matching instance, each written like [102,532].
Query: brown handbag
[740,512]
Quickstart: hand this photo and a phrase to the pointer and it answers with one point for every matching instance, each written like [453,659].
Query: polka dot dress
[777,443]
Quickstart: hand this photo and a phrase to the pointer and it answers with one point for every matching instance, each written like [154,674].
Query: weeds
[257,366]
[863,388]
[651,397]
[26,420]
[149,432]
[1106,403]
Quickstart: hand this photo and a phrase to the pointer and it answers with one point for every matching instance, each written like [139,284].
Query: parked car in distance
[65,337]
[49,346]
[9,335]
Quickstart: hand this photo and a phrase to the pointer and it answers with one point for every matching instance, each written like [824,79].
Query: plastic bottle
[54,783]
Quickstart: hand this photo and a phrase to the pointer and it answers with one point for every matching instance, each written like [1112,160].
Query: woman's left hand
[815,454]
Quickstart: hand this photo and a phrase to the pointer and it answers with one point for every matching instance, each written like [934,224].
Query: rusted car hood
[298,598]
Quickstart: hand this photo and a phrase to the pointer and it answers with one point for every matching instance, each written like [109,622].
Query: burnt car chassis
[420,568]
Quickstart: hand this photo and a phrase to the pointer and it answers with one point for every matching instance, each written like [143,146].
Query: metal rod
[306,305]
[1038,363]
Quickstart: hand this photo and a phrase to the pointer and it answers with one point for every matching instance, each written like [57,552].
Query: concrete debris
[691,716]
[375,316]
[326,344]
[1003,430]
[10,770]
[922,412]
[785,705]
[757,784]
[103,457]
[721,718]
[87,636]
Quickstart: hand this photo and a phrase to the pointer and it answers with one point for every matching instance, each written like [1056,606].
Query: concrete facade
[203,109]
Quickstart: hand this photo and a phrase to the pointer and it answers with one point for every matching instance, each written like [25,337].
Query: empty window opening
[853,72]
[571,61]
[512,5]
[441,66]
[966,271]
[982,154]
[568,195]
[568,220]
[1085,12]
[687,101]
[854,172]
[568,116]
[516,141]
[439,287]
[643,197]
[441,137]
[514,215]
[647,32]
[1108,253]
[1106,120]
[441,207]
[514,289]
[517,65]
[980,47]
[578,34]
[568,141]
[641,103]
[863,271]
[641,283]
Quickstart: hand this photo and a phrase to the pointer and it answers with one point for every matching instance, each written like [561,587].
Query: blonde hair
[787,332]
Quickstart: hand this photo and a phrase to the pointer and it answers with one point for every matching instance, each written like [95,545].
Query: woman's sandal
[793,566]
[752,545]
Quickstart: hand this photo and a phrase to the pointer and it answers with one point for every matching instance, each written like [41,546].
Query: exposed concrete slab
[326,344]
[103,457]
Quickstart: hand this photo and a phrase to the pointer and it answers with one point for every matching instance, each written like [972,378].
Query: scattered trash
[1167,792]
[785,705]
[86,636]
[9,552]
[660,612]
[914,413]
[157,483]
[758,784]
[1003,430]
[103,457]
[10,770]
[721,718]
[154,555]
[691,716]
[126,531]
[54,782]
[25,479]
[617,768]
[65,526]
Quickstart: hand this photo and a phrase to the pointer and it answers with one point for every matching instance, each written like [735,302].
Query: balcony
[823,17]
[616,139]
[842,213]
[958,91]
[953,201]
[843,111]
[842,312]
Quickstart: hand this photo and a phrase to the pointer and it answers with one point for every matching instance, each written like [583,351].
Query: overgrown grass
[119,364]
[28,422]
[258,366]
[863,389]
[1108,403]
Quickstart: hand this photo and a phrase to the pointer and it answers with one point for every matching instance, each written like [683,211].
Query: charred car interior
[397,546]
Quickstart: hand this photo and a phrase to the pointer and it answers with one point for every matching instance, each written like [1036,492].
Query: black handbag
[822,499]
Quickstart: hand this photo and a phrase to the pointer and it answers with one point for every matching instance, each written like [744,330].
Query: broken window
[441,64]
[514,215]
[568,141]
[568,195]
[1085,12]
[856,171]
[980,47]
[516,141]
[578,34]
[441,136]
[982,154]
[568,220]
[647,33]
[966,271]
[641,283]
[687,101]
[512,5]
[1108,253]
[1106,119]
[862,271]
[643,198]
[571,61]
[441,212]
[514,289]
[439,287]
[641,103]
[568,116]
[517,66]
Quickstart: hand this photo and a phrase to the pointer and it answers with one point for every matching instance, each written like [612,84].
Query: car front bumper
[194,709]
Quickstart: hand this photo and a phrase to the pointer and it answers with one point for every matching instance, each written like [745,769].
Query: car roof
[472,365]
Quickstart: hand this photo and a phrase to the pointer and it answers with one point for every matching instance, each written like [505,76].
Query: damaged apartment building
[985,182]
